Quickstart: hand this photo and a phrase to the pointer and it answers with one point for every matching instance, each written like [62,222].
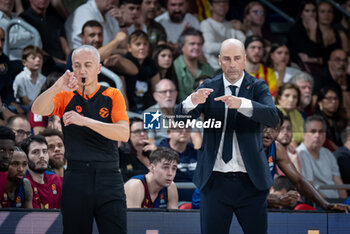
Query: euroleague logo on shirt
[104,112]
[79,109]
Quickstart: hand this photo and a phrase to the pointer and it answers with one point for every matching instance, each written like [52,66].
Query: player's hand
[289,199]
[72,117]
[339,207]
[67,82]
[200,96]
[231,101]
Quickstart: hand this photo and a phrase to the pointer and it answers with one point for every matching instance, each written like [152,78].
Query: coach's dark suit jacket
[248,130]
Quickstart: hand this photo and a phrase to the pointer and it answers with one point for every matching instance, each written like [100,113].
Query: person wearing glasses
[329,106]
[254,19]
[20,126]
[165,95]
[334,75]
[319,166]
[134,155]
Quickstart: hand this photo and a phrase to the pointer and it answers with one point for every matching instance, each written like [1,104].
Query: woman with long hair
[279,60]
[163,56]
[329,106]
[302,36]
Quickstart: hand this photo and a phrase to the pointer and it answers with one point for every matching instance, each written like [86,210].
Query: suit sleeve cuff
[246,107]
[188,105]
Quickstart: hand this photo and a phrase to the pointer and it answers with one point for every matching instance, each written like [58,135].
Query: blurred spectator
[6,77]
[99,10]
[335,76]
[18,192]
[319,165]
[156,189]
[134,155]
[165,95]
[164,57]
[254,19]
[217,29]
[287,100]
[38,122]
[50,27]
[279,60]
[19,36]
[47,186]
[329,106]
[305,83]
[254,46]
[28,83]
[139,87]
[175,20]
[20,126]
[180,141]
[326,35]
[343,156]
[92,34]
[54,122]
[156,32]
[285,137]
[66,7]
[7,145]
[55,148]
[303,45]
[188,65]
[344,24]
[130,19]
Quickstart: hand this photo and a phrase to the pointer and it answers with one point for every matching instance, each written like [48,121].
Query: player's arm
[43,104]
[302,185]
[173,197]
[135,193]
[342,192]
[28,194]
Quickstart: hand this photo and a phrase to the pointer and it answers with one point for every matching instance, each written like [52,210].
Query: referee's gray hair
[303,76]
[87,48]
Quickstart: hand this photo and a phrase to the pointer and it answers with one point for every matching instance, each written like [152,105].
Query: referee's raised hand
[67,82]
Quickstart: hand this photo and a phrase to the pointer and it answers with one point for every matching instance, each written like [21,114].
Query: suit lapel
[245,86]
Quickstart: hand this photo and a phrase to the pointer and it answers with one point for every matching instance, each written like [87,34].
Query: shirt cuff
[188,105]
[246,107]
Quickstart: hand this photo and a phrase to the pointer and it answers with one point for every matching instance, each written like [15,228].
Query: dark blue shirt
[187,162]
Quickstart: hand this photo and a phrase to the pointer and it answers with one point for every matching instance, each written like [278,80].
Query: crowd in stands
[159,52]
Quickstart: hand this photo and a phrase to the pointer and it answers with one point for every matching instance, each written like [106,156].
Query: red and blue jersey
[271,158]
[161,200]
[17,202]
[47,195]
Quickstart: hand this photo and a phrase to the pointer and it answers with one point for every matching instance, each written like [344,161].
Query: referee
[93,120]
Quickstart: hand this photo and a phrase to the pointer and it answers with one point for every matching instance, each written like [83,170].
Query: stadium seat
[185,206]
[304,207]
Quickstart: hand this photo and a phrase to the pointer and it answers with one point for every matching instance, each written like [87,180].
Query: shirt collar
[238,82]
